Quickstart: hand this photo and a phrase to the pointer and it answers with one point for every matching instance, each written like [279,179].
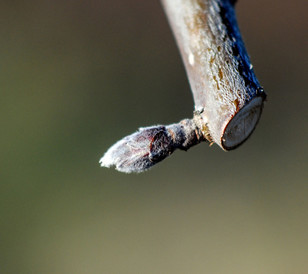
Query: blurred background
[76,76]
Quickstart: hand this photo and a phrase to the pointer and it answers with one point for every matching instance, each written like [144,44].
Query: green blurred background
[76,76]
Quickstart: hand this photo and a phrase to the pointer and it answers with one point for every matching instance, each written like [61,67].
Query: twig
[228,97]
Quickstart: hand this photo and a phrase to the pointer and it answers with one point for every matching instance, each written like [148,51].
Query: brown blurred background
[76,76]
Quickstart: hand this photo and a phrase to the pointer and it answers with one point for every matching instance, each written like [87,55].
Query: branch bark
[228,97]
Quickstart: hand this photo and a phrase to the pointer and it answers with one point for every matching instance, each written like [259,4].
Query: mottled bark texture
[228,97]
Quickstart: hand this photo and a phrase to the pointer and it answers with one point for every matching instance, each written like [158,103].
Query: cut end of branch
[242,124]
